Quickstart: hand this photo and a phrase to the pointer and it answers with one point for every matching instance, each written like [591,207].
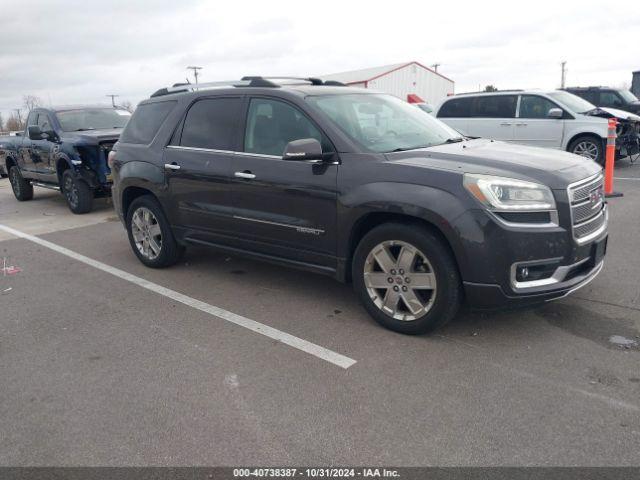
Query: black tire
[588,141]
[4,175]
[78,194]
[22,189]
[170,251]
[447,295]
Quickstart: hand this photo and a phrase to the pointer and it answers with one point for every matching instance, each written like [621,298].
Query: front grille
[587,207]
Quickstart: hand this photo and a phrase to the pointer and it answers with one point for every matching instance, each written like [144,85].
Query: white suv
[552,119]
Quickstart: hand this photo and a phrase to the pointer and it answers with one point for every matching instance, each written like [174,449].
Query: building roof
[369,74]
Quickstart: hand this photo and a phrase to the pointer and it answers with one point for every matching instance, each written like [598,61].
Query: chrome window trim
[198,149]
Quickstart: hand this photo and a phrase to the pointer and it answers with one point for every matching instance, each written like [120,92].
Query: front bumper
[494,252]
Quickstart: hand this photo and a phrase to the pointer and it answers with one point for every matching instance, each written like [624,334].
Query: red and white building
[410,81]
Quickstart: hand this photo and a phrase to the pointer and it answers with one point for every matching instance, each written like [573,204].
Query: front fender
[438,207]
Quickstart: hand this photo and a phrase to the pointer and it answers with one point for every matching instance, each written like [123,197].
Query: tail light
[111,158]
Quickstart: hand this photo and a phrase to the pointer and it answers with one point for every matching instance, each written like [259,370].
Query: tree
[490,88]
[31,101]
[1,123]
[13,123]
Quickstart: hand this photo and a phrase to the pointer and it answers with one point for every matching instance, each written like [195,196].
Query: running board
[46,185]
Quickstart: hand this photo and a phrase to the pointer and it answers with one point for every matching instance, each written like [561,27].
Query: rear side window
[456,107]
[533,106]
[145,122]
[494,106]
[211,123]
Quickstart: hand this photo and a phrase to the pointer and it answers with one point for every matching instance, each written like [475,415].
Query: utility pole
[563,75]
[113,101]
[435,67]
[195,72]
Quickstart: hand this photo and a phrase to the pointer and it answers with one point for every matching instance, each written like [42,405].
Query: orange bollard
[610,160]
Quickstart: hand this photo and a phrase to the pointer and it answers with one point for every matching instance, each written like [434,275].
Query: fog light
[523,274]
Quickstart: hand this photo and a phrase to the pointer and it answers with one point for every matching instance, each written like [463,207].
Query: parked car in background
[618,98]
[360,186]
[425,107]
[550,119]
[64,149]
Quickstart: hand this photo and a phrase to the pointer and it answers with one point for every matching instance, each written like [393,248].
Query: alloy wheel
[146,233]
[71,191]
[587,149]
[400,280]
[15,181]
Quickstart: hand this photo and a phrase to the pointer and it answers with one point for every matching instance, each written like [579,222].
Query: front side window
[43,122]
[272,124]
[533,106]
[32,119]
[210,124]
[92,119]
[609,98]
[494,106]
[382,123]
[571,102]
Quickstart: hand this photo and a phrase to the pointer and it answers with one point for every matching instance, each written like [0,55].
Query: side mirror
[304,149]
[35,133]
[555,113]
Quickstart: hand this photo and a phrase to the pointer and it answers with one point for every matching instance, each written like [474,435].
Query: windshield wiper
[83,129]
[405,149]
[454,140]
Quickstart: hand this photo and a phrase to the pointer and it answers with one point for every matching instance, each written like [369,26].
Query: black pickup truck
[64,149]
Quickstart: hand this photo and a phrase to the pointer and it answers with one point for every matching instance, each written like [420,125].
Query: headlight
[500,193]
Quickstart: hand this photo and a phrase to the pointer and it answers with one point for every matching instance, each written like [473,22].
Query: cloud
[78,51]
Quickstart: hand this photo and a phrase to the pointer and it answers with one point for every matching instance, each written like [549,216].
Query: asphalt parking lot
[100,368]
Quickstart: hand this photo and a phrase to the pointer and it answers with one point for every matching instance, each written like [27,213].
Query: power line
[195,71]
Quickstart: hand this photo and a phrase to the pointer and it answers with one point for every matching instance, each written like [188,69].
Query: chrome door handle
[248,175]
[521,124]
[505,124]
[171,166]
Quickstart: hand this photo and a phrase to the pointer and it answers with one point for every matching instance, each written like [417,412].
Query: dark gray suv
[360,186]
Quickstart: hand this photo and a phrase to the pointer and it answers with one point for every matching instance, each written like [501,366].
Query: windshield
[628,96]
[92,119]
[572,102]
[383,123]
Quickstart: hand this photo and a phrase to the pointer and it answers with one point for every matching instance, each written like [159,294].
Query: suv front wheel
[588,146]
[150,234]
[406,278]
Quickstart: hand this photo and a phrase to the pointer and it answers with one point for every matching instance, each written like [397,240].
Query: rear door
[534,126]
[197,167]
[284,208]
[493,116]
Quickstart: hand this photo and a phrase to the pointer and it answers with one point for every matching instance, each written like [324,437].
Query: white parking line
[627,178]
[295,342]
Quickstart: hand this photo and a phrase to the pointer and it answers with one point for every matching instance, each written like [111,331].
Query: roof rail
[489,93]
[248,81]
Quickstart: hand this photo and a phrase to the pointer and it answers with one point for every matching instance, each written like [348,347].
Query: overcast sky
[70,52]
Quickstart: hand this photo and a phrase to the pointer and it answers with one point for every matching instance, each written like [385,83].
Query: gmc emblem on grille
[595,197]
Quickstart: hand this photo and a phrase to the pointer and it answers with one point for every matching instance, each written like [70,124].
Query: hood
[95,136]
[607,112]
[554,168]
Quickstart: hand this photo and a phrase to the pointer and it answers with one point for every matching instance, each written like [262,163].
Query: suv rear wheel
[406,278]
[22,189]
[588,146]
[150,234]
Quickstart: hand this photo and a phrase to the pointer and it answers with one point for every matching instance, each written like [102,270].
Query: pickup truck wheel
[588,146]
[406,278]
[22,189]
[78,194]
[150,234]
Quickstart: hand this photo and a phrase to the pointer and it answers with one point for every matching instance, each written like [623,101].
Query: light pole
[195,71]
[563,74]
[113,101]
